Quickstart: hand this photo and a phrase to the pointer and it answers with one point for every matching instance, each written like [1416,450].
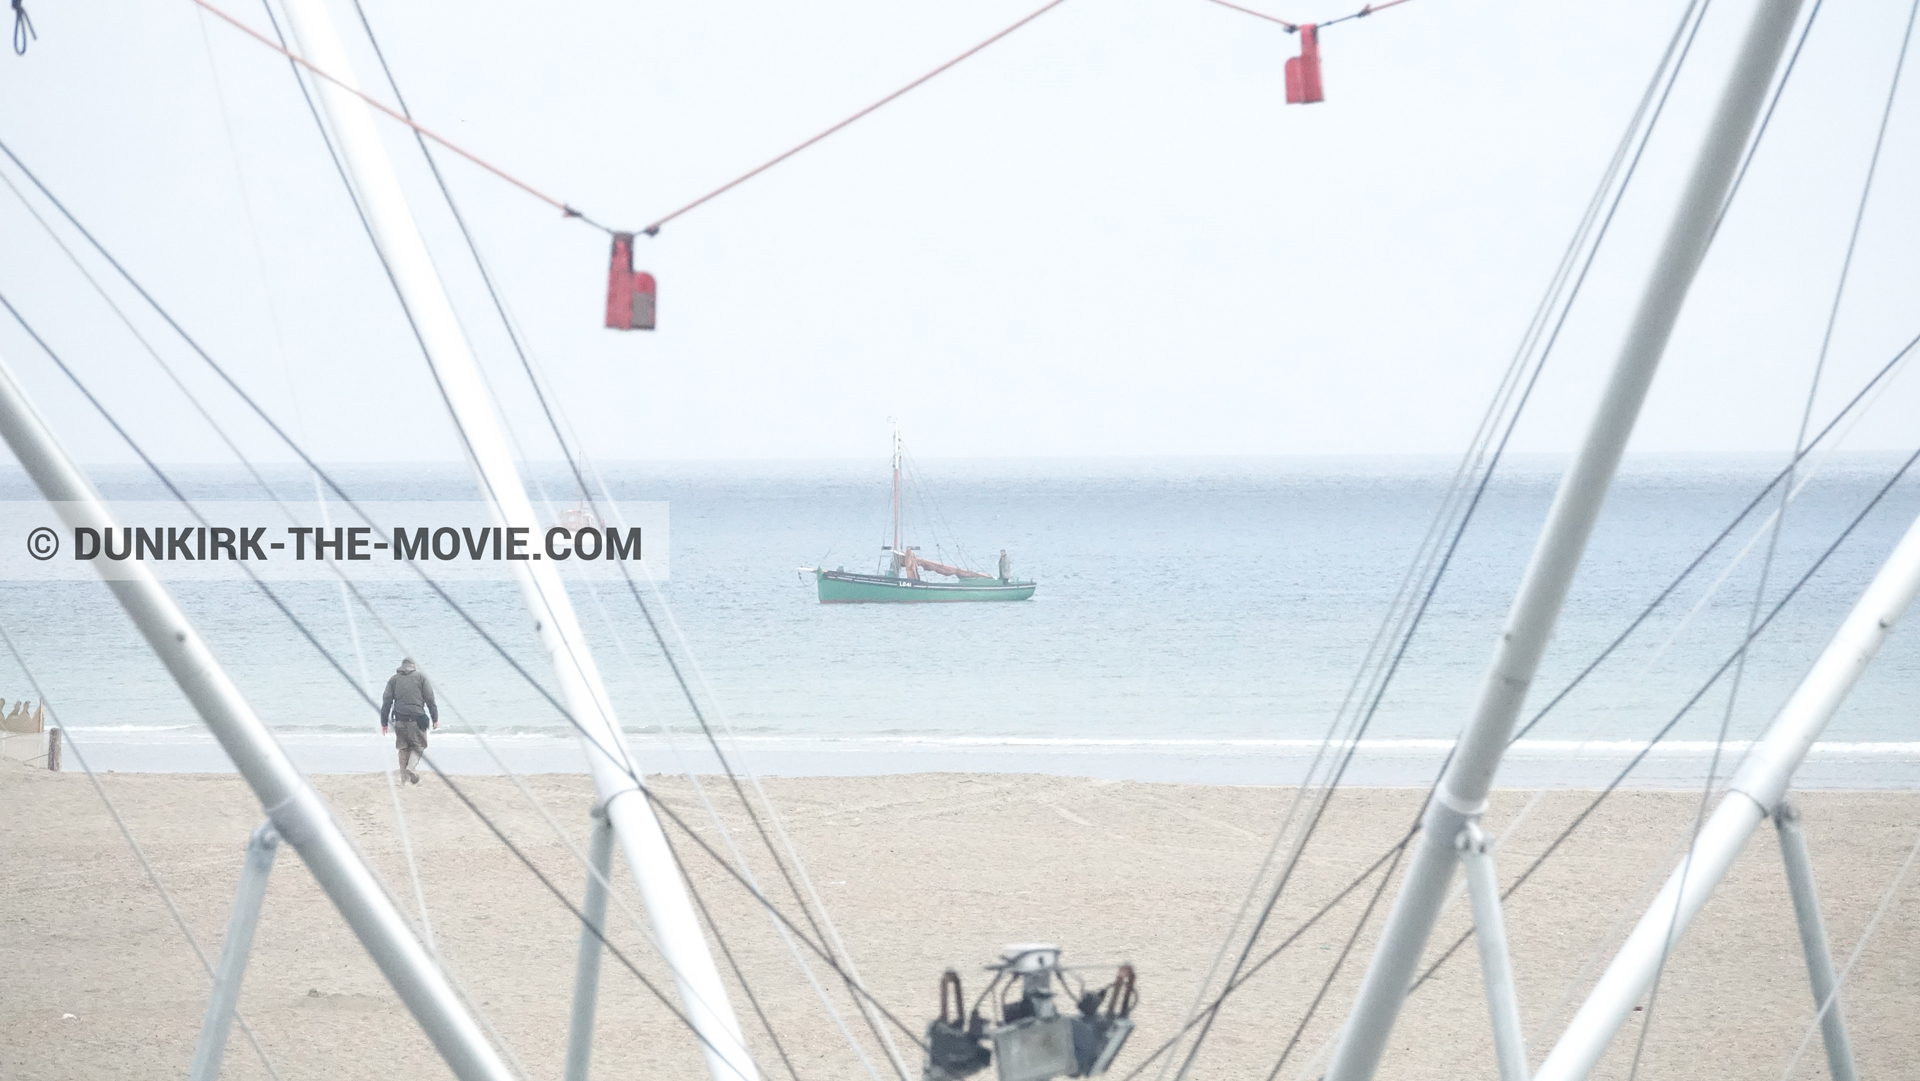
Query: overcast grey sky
[1104,235]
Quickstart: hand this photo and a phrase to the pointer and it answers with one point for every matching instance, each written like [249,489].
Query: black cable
[180,496]
[1712,545]
[1779,524]
[454,605]
[577,913]
[335,663]
[341,492]
[1726,204]
[1766,119]
[305,458]
[727,952]
[1672,75]
[673,665]
[466,234]
[1221,999]
[1353,741]
[150,298]
[23,31]
[354,505]
[413,325]
[540,396]
[1752,150]
[1306,925]
[586,492]
[1523,877]
[1860,213]
[559,438]
[1720,736]
[1326,985]
[1621,777]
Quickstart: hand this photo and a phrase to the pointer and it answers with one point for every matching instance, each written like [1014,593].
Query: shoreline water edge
[1202,624]
[1376,763]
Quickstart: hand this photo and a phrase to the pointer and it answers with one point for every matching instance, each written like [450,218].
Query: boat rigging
[901,581]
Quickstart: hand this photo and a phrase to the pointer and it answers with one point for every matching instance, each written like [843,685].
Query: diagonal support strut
[1813,941]
[1460,796]
[593,925]
[235,950]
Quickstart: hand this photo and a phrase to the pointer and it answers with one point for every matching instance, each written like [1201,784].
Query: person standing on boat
[1006,566]
[407,708]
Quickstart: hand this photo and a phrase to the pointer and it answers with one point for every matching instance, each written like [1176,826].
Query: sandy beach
[919,872]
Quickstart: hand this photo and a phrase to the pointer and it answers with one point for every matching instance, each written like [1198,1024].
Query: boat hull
[840,587]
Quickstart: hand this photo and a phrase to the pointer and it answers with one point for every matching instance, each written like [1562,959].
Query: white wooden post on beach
[1460,798]
[677,932]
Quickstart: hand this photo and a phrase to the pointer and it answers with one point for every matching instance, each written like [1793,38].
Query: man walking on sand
[408,706]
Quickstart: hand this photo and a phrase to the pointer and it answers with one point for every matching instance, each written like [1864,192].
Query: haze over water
[1189,611]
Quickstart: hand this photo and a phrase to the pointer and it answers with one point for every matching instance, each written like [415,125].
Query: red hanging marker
[630,295]
[1303,71]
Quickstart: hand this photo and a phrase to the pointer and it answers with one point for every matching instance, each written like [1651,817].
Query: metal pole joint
[1472,840]
[264,838]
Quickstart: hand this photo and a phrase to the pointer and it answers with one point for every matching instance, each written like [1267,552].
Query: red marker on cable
[630,295]
[1303,71]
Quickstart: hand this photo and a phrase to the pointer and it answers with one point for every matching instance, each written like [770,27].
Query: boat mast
[295,809]
[703,997]
[896,487]
[1460,798]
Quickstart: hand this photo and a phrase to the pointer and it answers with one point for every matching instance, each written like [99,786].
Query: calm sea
[1197,619]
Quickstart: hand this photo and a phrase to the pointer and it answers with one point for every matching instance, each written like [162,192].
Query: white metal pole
[234,951]
[292,805]
[1461,795]
[703,997]
[586,970]
[1754,792]
[1496,966]
[1813,942]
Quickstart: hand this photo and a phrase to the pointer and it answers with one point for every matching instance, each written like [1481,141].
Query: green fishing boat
[843,587]
[901,581]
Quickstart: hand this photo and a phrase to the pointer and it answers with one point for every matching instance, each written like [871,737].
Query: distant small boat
[901,583]
[845,587]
